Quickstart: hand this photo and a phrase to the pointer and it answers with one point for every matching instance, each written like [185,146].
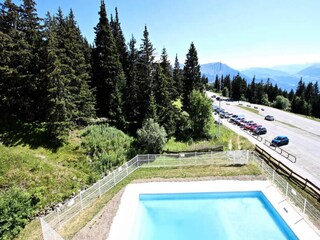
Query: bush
[152,137]
[16,208]
[107,146]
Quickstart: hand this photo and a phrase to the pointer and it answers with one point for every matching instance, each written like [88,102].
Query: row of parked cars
[248,125]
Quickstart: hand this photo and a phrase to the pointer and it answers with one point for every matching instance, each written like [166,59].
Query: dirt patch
[98,228]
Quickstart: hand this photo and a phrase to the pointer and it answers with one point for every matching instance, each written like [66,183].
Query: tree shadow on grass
[35,135]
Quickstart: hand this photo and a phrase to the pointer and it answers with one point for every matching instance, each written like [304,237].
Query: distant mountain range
[285,76]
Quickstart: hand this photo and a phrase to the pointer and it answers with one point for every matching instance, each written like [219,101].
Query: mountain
[283,79]
[210,70]
[292,68]
[285,76]
[313,71]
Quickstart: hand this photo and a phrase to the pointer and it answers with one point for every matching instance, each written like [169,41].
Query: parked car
[247,127]
[254,126]
[280,141]
[269,118]
[260,131]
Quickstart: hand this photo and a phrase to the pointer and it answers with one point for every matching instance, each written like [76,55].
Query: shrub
[107,146]
[16,208]
[152,137]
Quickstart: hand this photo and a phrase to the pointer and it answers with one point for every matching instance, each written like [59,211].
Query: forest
[51,76]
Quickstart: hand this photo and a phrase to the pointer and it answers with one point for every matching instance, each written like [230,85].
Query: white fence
[58,218]
[289,192]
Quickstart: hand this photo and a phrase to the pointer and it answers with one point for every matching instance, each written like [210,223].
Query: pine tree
[192,75]
[31,29]
[57,92]
[164,104]
[300,91]
[167,71]
[20,35]
[75,52]
[120,42]
[9,60]
[144,77]
[107,73]
[177,80]
[131,100]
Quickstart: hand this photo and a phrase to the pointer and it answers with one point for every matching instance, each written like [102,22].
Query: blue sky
[240,33]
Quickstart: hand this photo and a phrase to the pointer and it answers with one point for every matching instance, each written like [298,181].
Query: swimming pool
[219,215]
[127,224]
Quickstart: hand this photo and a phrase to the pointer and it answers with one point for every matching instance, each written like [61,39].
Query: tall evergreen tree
[131,100]
[192,75]
[107,76]
[9,60]
[300,91]
[120,42]
[144,77]
[165,108]
[177,80]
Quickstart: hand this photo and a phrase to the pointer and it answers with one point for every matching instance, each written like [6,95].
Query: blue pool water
[202,216]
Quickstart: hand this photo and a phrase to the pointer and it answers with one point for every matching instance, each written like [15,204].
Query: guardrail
[281,168]
[279,150]
[282,152]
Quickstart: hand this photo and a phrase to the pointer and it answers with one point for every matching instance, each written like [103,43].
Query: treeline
[50,74]
[304,100]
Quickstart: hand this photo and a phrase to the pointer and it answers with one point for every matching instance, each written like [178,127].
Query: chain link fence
[64,213]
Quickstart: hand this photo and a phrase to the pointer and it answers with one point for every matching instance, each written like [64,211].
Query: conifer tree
[131,100]
[9,60]
[30,28]
[165,108]
[120,42]
[107,73]
[177,80]
[192,75]
[144,76]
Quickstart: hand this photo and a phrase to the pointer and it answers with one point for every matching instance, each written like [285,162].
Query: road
[303,133]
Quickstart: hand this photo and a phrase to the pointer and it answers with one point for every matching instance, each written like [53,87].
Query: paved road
[303,133]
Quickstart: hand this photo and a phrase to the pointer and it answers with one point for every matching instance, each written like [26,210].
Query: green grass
[227,138]
[253,110]
[52,173]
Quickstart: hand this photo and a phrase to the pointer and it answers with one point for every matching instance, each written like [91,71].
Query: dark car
[260,131]
[280,141]
[269,118]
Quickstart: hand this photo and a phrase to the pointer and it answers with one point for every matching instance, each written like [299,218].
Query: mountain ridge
[286,80]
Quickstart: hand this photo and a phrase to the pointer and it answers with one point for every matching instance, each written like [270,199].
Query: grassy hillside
[35,175]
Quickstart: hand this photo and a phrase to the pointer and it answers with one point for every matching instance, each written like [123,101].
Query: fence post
[148,159]
[287,188]
[127,168]
[114,178]
[99,188]
[273,175]
[59,222]
[304,205]
[80,196]
[137,160]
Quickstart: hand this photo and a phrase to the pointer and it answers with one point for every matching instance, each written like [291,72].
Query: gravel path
[98,228]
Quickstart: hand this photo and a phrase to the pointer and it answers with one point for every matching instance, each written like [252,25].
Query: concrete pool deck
[128,209]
